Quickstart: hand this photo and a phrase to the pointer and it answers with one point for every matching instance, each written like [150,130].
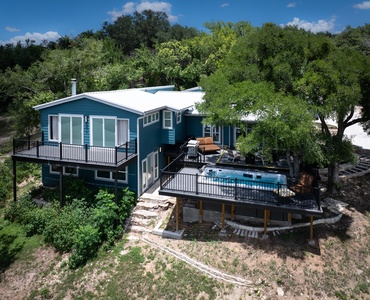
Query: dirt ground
[284,266]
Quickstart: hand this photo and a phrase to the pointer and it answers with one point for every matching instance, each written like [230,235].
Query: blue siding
[88,108]
[194,126]
[89,177]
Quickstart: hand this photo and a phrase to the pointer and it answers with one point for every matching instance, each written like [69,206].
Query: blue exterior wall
[89,108]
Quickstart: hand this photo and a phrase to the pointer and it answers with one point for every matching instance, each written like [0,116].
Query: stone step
[139,229]
[140,221]
[157,198]
[148,205]
[144,213]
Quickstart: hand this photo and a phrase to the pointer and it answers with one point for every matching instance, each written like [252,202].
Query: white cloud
[36,36]
[11,29]
[319,26]
[292,4]
[131,7]
[363,5]
[225,4]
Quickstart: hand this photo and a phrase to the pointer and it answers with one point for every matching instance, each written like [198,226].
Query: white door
[150,169]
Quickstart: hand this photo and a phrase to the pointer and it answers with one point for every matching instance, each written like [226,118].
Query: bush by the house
[78,227]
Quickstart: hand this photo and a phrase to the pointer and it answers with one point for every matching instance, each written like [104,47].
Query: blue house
[123,138]
[113,138]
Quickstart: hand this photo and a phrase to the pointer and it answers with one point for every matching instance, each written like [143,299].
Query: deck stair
[360,169]
[147,212]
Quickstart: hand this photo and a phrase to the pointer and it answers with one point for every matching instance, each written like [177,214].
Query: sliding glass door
[71,130]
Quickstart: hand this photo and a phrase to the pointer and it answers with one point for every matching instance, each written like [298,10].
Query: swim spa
[244,178]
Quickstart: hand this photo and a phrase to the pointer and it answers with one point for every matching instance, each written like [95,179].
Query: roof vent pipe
[74,84]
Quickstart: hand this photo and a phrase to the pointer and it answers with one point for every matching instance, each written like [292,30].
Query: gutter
[138,155]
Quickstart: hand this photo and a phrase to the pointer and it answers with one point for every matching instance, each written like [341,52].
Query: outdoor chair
[304,185]
[233,155]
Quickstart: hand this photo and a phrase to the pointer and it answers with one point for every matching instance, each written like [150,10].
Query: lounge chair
[206,145]
[233,155]
[304,185]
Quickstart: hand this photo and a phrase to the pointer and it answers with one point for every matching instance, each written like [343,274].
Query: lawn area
[336,267]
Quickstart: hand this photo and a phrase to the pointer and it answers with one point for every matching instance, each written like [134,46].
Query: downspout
[139,175]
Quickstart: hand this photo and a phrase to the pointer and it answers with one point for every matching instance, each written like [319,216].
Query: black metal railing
[240,190]
[69,152]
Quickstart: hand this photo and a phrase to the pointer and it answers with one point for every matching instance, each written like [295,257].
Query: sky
[49,20]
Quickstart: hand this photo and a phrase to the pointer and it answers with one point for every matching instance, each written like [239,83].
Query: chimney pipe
[73,81]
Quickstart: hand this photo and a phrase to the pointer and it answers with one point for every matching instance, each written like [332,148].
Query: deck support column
[232,212]
[116,195]
[290,218]
[265,236]
[311,241]
[223,231]
[61,194]
[177,214]
[200,211]
[14,180]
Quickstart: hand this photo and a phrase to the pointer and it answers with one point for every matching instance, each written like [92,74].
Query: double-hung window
[167,119]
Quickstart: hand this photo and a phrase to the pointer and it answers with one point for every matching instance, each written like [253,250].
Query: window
[212,131]
[53,128]
[122,132]
[54,169]
[110,176]
[167,119]
[152,118]
[178,117]
[71,129]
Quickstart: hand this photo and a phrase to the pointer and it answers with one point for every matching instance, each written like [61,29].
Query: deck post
[223,231]
[37,148]
[223,217]
[290,218]
[311,241]
[116,155]
[14,180]
[61,196]
[232,212]
[265,236]
[60,151]
[126,150]
[200,211]
[177,213]
[29,142]
[196,184]
[86,153]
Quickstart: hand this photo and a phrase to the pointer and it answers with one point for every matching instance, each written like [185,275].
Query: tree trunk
[333,178]
[296,165]
[290,165]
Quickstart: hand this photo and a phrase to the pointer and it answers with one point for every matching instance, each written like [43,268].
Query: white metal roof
[139,101]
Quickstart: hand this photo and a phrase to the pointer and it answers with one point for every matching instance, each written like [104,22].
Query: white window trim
[164,120]
[64,171]
[71,116]
[102,117]
[111,179]
[49,128]
[154,119]
[211,129]
[128,129]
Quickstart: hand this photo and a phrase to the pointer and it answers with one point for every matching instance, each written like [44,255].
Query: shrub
[86,245]
[60,230]
[7,251]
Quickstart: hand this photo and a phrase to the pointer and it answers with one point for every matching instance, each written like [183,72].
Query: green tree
[307,69]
